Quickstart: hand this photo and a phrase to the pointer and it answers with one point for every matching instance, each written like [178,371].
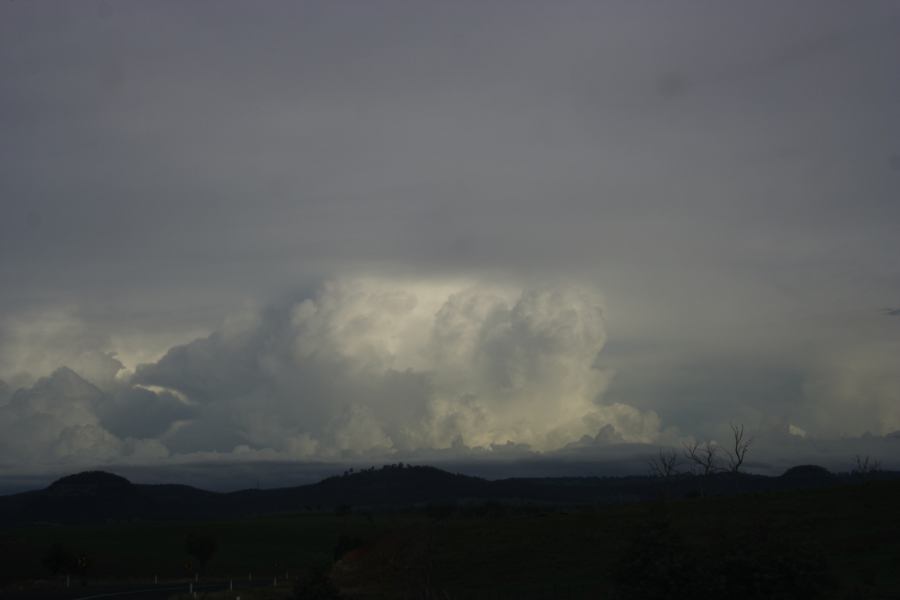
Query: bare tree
[703,456]
[740,447]
[665,464]
[866,466]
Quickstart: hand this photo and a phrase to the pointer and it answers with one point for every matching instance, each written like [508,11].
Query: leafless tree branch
[741,445]
[665,464]
[866,466]
[703,456]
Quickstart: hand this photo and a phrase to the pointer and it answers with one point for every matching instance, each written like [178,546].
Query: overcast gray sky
[333,230]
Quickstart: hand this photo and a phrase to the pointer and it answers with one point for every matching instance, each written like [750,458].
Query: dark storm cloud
[333,132]
[140,413]
[724,173]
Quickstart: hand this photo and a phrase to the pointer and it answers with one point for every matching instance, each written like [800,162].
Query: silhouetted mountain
[90,482]
[89,496]
[417,484]
[393,485]
[808,473]
[98,496]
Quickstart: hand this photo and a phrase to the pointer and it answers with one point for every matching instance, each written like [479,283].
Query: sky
[476,233]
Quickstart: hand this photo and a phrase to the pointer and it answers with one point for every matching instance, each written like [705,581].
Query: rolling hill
[96,496]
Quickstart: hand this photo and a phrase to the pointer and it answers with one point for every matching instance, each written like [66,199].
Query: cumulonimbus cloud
[374,364]
[366,367]
[372,368]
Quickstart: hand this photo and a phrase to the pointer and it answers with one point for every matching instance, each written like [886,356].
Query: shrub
[201,546]
[345,544]
[315,584]
[58,559]
[659,564]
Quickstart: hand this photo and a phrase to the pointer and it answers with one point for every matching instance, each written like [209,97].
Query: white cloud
[62,419]
[377,368]
[797,431]
[386,365]
[34,344]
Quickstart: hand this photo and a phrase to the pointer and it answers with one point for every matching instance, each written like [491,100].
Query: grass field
[840,543]
[264,546]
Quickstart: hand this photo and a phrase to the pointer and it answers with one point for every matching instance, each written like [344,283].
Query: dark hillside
[96,496]
[413,484]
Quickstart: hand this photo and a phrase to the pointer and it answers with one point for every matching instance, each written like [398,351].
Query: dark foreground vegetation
[692,537]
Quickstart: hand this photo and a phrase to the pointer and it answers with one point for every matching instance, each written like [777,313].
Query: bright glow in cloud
[496,364]
[797,431]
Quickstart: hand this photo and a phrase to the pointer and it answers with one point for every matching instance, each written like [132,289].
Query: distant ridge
[99,479]
[808,472]
[98,496]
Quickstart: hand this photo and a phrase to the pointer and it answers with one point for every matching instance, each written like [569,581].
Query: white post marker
[67,580]
[190,588]
[156,579]
[275,582]
[230,585]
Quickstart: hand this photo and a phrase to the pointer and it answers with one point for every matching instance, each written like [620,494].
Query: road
[137,591]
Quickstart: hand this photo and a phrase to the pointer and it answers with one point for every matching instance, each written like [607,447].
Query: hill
[96,496]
